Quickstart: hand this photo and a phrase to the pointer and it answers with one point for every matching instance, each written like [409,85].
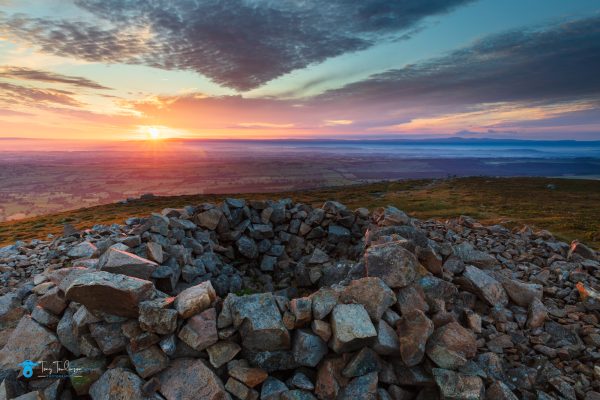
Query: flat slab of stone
[121,262]
[190,379]
[351,328]
[110,293]
[485,286]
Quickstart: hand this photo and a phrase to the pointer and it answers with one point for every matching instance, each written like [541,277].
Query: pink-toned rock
[194,300]
[190,379]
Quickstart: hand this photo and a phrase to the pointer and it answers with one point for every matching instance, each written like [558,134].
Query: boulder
[308,348]
[195,299]
[157,317]
[118,384]
[414,330]
[29,341]
[469,255]
[121,262]
[259,322]
[200,331]
[372,293]
[110,293]
[190,379]
[457,386]
[451,346]
[391,262]
[351,328]
[485,286]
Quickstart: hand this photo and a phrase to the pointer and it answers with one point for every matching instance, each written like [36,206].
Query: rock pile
[279,300]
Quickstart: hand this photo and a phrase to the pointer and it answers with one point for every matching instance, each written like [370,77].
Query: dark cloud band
[237,43]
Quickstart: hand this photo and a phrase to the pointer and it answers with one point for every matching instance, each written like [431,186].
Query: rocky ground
[278,300]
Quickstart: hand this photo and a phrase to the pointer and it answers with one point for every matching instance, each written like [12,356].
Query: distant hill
[570,208]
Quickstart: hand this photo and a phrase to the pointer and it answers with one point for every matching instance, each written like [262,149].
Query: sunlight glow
[154,133]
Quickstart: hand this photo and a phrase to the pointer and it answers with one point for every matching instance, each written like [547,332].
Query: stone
[82,250]
[414,330]
[190,379]
[391,216]
[387,343]
[456,386]
[363,362]
[195,299]
[240,391]
[84,372]
[29,341]
[392,263]
[499,391]
[53,301]
[485,286]
[537,314]
[45,318]
[322,329]
[250,377]
[323,302]
[412,298]
[155,252]
[363,387]
[318,257]
[521,293]
[329,378]
[11,311]
[67,333]
[209,219]
[351,328]
[118,384]
[469,255]
[109,337]
[302,310]
[272,389]
[372,293]
[149,361]
[110,293]
[259,322]
[300,381]
[200,331]
[308,348]
[247,247]
[451,345]
[121,262]
[222,352]
[157,317]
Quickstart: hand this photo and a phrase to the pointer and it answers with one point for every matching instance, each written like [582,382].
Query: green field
[571,210]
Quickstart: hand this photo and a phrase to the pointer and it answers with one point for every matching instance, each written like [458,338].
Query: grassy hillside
[570,211]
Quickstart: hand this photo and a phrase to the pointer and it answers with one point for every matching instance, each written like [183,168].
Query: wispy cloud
[21,73]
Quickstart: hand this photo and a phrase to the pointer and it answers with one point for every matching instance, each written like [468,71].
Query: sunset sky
[135,69]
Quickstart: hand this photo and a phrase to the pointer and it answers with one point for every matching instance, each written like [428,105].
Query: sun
[154,133]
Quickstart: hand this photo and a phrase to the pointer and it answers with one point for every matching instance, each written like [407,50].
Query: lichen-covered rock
[485,286]
[457,386]
[372,293]
[125,263]
[414,330]
[451,346]
[118,384]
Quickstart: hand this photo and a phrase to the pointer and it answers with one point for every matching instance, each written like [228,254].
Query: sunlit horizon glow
[522,69]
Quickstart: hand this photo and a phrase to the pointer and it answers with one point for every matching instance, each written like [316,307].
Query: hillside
[571,210]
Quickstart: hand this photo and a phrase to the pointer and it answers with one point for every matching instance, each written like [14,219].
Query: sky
[120,70]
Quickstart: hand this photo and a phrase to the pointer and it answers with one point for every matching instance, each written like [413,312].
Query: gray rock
[118,384]
[259,322]
[351,328]
[272,388]
[451,345]
[29,341]
[469,255]
[392,263]
[484,286]
[124,263]
[189,379]
[82,250]
[157,317]
[308,349]
[247,247]
[453,385]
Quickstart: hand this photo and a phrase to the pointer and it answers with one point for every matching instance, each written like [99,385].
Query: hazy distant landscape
[36,183]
